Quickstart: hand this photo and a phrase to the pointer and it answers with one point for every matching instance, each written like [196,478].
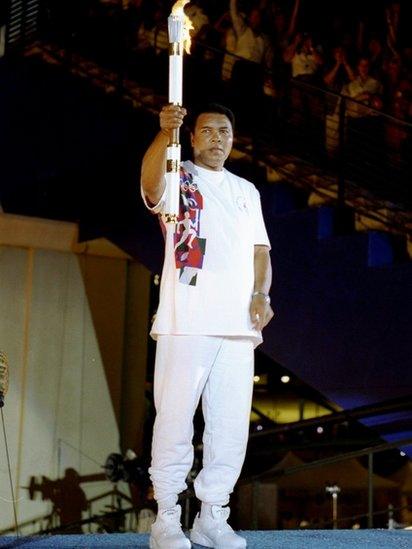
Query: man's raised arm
[237,20]
[154,160]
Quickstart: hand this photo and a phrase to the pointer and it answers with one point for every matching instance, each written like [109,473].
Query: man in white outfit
[214,303]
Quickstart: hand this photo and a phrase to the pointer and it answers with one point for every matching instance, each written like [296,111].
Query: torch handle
[175,137]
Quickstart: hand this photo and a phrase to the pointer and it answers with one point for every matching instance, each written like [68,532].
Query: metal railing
[22,21]
[277,474]
[354,414]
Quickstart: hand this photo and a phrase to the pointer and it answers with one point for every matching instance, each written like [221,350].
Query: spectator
[340,73]
[365,145]
[152,33]
[392,13]
[304,58]
[398,94]
[392,72]
[245,39]
[364,89]
[247,78]
[375,51]
[205,62]
[197,16]
[284,31]
[152,48]
[281,35]
[336,76]
[307,105]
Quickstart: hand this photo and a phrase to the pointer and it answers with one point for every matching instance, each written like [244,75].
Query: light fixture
[402,453]
[259,428]
[256,379]
[319,430]
[285,379]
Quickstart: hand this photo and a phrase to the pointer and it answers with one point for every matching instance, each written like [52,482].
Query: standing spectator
[197,16]
[247,77]
[393,13]
[375,52]
[250,43]
[397,95]
[340,73]
[246,39]
[152,47]
[281,35]
[283,32]
[337,75]
[307,108]
[364,127]
[364,89]
[304,58]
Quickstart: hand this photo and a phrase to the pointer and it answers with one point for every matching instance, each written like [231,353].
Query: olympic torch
[179,26]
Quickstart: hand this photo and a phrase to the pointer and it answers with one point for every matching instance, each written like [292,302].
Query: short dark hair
[211,108]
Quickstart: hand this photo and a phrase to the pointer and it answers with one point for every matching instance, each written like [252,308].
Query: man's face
[212,140]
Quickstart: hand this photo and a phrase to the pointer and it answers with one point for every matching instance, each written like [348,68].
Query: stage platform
[285,539]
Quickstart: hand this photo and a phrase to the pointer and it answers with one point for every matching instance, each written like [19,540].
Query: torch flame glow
[178,9]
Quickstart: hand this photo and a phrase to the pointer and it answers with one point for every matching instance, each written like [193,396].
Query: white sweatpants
[220,369]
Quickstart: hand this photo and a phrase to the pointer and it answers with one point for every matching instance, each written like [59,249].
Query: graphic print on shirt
[188,246]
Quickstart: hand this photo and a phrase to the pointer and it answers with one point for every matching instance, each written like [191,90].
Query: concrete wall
[60,412]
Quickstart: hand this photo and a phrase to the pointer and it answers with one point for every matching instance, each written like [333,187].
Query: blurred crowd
[278,63]
[362,51]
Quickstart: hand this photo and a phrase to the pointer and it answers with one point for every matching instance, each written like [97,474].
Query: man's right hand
[154,161]
[171,118]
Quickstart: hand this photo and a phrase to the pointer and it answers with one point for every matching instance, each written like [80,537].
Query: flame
[178,9]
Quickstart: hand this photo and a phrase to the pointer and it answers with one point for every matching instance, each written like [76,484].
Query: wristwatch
[266,296]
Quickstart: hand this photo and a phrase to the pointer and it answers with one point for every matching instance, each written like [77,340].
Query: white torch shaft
[176,79]
[175,24]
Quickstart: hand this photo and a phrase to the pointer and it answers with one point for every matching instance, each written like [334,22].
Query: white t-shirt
[304,64]
[358,86]
[250,46]
[208,272]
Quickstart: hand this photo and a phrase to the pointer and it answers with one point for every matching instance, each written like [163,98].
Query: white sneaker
[167,531]
[212,530]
